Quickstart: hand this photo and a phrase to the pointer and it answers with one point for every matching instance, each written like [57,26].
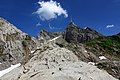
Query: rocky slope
[110,48]
[73,33]
[14,44]
[89,46]
[58,55]
[51,62]
[72,39]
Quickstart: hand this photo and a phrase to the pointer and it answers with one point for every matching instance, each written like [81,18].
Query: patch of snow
[38,47]
[32,51]
[102,57]
[85,51]
[3,72]
[91,63]
[55,38]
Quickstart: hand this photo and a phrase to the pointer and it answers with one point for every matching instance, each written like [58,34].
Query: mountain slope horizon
[82,27]
[86,44]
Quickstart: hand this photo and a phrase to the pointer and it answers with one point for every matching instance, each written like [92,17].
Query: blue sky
[101,15]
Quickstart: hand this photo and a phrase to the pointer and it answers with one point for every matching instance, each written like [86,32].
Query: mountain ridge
[103,44]
[18,47]
[12,40]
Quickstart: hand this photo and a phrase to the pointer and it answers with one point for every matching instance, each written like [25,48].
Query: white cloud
[50,10]
[110,26]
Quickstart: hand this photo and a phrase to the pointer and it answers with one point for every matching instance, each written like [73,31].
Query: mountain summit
[74,33]
[74,54]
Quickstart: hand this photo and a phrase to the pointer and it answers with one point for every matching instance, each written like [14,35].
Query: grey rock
[64,63]
[76,34]
[12,50]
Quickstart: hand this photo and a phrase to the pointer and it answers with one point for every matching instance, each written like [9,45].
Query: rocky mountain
[74,33]
[74,54]
[51,62]
[14,44]
[109,47]
[89,45]
[72,39]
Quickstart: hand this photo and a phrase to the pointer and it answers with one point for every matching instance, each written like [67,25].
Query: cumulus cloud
[110,26]
[50,10]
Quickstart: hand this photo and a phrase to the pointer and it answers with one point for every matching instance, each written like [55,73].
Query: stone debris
[57,64]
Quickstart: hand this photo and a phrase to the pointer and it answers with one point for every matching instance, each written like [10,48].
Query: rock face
[50,62]
[75,34]
[54,55]
[12,40]
[44,34]
[88,45]
[72,33]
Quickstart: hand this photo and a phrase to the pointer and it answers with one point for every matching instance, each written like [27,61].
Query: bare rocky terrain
[50,62]
[14,44]
[66,55]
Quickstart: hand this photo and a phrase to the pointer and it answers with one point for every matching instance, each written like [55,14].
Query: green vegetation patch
[109,44]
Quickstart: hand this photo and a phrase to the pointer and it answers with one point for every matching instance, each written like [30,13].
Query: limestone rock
[50,62]
[11,48]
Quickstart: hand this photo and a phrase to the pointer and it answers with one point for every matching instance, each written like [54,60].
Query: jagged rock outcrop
[12,48]
[72,33]
[50,62]
[109,47]
[56,55]
[76,34]
[75,39]
[44,34]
